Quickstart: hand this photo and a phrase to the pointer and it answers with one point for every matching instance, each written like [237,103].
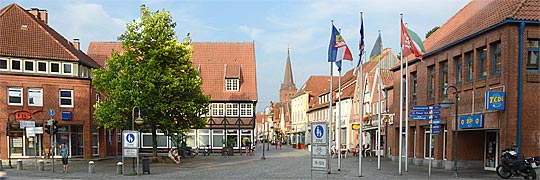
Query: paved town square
[286,163]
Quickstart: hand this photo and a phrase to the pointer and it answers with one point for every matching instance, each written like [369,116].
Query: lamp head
[446,103]
[139,120]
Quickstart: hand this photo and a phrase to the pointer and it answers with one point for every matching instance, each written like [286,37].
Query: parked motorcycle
[511,166]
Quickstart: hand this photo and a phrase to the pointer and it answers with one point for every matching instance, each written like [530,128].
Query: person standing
[64,151]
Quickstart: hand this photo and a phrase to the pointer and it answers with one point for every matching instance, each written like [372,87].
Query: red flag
[407,43]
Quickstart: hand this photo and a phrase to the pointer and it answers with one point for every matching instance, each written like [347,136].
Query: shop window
[15,96]
[496,61]
[217,138]
[66,98]
[204,137]
[35,97]
[161,140]
[533,61]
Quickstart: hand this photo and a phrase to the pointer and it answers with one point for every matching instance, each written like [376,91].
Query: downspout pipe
[520,88]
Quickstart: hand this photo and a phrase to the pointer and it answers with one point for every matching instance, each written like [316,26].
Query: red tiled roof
[232,71]
[479,15]
[23,35]
[213,59]
[101,51]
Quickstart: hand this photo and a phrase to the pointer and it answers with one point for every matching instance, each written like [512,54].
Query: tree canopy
[154,72]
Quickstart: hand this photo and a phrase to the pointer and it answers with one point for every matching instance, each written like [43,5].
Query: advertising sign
[495,101]
[471,122]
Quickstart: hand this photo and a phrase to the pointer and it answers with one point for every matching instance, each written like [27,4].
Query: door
[491,150]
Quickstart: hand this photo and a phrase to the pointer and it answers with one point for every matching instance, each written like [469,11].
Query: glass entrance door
[491,150]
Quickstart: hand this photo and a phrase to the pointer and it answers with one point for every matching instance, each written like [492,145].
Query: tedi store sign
[495,101]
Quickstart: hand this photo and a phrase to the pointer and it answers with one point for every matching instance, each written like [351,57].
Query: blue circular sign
[319,131]
[130,138]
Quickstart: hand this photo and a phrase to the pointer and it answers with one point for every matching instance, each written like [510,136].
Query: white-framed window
[55,68]
[232,84]
[42,66]
[29,66]
[218,109]
[35,97]
[162,140]
[16,65]
[429,142]
[15,96]
[232,109]
[4,65]
[217,138]
[66,98]
[203,138]
[67,68]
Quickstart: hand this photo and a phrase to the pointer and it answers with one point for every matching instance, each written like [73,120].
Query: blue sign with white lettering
[66,115]
[420,108]
[471,122]
[319,131]
[435,131]
[419,117]
[495,100]
[436,121]
[435,116]
[436,126]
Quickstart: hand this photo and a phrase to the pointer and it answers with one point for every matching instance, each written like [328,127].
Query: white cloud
[251,31]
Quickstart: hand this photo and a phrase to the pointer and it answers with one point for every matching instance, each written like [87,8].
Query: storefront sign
[495,100]
[30,132]
[25,114]
[38,130]
[25,124]
[66,115]
[471,122]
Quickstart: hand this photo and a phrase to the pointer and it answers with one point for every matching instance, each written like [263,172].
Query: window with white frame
[29,66]
[162,140]
[66,98]
[218,109]
[15,96]
[55,68]
[246,109]
[232,84]
[42,67]
[204,137]
[35,97]
[232,109]
[16,65]
[67,68]
[217,138]
[4,64]
[429,142]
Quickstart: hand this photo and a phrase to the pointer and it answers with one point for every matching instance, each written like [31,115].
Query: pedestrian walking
[64,151]
[248,147]
[280,143]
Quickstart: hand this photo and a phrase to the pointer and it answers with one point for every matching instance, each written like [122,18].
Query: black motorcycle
[513,167]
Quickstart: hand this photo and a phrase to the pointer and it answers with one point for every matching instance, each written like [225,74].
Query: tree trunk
[154,143]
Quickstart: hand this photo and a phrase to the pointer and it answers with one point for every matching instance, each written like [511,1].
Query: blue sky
[274,25]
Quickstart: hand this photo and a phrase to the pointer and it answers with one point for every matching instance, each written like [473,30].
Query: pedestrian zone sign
[130,139]
[319,133]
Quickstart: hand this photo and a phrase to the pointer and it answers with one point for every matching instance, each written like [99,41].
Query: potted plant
[300,145]
[229,147]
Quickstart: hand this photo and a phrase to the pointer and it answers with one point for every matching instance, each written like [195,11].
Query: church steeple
[288,82]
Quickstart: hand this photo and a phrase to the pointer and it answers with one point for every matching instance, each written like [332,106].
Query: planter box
[300,146]
[293,145]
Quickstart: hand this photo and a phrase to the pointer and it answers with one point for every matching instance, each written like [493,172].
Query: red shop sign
[25,114]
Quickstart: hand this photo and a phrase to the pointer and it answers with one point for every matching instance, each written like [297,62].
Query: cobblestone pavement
[286,163]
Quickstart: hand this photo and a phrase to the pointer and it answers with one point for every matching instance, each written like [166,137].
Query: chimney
[40,14]
[76,44]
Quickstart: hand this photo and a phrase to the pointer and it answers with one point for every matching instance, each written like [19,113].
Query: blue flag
[332,50]
[361,45]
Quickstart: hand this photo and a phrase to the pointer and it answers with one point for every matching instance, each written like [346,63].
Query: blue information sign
[130,138]
[436,121]
[471,122]
[435,131]
[420,108]
[435,116]
[416,117]
[436,126]
[419,112]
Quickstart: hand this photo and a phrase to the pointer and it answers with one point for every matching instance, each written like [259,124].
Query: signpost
[130,147]
[50,124]
[319,147]
[432,114]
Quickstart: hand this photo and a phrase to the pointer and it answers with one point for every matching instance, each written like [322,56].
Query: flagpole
[330,116]
[379,116]
[406,114]
[338,124]
[400,106]
[360,102]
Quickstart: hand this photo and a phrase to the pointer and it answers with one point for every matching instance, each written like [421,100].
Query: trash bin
[146,165]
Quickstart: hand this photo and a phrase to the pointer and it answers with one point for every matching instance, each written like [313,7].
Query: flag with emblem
[338,49]
[411,43]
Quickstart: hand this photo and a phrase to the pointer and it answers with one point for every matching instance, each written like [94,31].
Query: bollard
[19,165]
[41,165]
[91,167]
[119,168]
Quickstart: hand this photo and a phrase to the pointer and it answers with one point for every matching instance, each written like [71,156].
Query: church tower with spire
[288,88]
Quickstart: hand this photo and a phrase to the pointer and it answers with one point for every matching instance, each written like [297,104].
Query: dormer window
[232,84]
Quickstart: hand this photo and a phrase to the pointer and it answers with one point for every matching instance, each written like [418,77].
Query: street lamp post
[264,131]
[139,120]
[446,104]
[13,125]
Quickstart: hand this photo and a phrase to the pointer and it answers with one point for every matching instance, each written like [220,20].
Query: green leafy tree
[432,31]
[154,73]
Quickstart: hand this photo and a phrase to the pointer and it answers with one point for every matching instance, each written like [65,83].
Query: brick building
[488,46]
[40,70]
